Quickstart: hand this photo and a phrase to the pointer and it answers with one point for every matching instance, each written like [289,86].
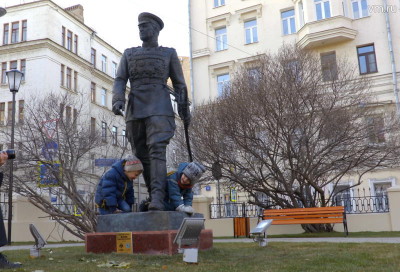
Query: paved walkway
[5,248]
[389,240]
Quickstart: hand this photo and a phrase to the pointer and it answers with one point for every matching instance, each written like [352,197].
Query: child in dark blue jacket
[115,189]
[179,194]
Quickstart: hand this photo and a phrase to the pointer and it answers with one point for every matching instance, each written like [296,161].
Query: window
[301,13]
[288,22]
[69,40]
[2,113]
[222,84]
[360,8]
[380,195]
[3,72]
[218,3]
[342,196]
[92,161]
[9,114]
[68,116]
[103,63]
[250,29]
[322,9]
[13,64]
[14,32]
[75,81]
[124,140]
[5,33]
[93,57]
[23,68]
[367,59]
[69,74]
[75,118]
[93,92]
[62,74]
[376,132]
[103,97]
[24,30]
[92,126]
[221,39]
[21,104]
[63,36]
[76,44]
[114,135]
[104,131]
[114,69]
[329,67]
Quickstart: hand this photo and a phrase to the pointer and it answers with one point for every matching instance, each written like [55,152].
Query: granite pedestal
[152,232]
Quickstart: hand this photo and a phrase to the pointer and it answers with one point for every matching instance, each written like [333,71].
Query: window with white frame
[218,3]
[360,8]
[221,39]
[103,97]
[103,63]
[376,129]
[288,22]
[342,196]
[379,193]
[322,9]
[104,131]
[124,140]
[114,135]
[301,13]
[222,84]
[250,29]
[114,69]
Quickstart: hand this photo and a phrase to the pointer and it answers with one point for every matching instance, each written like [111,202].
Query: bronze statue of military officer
[150,121]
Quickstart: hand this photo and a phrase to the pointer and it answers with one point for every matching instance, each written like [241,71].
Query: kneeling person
[115,188]
[179,194]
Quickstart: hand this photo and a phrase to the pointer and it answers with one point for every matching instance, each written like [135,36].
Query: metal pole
[11,180]
[219,199]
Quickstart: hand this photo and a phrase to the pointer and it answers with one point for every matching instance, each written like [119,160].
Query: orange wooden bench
[319,215]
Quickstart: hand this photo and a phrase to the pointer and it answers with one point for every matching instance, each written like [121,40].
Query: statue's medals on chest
[148,63]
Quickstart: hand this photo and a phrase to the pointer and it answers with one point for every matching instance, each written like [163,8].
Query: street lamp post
[216,170]
[14,78]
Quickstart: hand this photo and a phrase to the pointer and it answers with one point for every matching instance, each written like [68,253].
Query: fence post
[394,207]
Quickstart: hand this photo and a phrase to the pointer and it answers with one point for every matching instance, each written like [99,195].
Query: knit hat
[132,163]
[194,171]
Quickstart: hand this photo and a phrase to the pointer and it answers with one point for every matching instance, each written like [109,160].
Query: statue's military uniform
[150,122]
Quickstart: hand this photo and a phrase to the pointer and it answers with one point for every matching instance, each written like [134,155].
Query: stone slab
[142,221]
[143,242]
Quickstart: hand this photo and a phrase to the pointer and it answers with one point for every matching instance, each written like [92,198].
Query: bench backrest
[319,215]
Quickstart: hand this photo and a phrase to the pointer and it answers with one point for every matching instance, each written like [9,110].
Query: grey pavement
[5,248]
[389,240]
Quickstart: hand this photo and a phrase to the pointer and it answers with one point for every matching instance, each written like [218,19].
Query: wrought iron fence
[353,205]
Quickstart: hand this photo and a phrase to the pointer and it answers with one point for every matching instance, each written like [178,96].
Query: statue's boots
[158,184]
[144,205]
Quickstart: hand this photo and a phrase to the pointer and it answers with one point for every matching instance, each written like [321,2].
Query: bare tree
[57,141]
[287,128]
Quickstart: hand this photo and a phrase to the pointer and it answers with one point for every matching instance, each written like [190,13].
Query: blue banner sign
[105,162]
[49,174]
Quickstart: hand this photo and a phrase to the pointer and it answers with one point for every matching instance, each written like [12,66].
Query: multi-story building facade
[59,54]
[228,33]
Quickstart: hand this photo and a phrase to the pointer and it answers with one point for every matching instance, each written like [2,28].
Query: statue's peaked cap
[146,17]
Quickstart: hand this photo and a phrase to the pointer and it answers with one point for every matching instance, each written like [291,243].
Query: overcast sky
[116,21]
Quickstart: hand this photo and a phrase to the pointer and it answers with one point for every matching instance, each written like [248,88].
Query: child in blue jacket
[115,188]
[179,194]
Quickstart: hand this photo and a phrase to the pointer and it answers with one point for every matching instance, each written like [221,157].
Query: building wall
[207,62]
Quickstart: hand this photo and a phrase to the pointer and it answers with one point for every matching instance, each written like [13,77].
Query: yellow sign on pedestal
[124,242]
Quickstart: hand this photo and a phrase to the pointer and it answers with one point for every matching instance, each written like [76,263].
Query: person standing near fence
[4,263]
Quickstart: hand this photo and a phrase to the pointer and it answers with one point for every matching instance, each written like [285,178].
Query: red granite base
[144,242]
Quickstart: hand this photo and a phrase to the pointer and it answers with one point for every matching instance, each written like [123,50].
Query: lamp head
[14,77]
[3,11]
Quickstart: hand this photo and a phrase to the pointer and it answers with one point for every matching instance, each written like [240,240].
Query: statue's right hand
[118,107]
